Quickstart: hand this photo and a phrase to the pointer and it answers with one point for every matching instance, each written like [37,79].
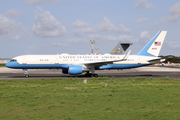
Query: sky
[67,26]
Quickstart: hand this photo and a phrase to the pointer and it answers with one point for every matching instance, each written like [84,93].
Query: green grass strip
[66,99]
[2,64]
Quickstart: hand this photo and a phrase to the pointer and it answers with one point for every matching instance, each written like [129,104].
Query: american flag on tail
[157,43]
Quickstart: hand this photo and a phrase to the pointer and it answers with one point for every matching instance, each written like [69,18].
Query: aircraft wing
[98,64]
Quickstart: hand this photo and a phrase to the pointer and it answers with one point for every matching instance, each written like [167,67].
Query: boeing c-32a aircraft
[77,64]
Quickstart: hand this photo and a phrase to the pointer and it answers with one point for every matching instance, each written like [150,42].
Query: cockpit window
[13,60]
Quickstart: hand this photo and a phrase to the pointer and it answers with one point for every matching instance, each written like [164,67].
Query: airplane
[78,64]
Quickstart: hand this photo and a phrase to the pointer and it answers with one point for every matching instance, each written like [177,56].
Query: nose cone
[11,64]
[8,64]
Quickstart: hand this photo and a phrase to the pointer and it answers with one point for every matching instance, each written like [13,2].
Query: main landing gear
[26,73]
[91,75]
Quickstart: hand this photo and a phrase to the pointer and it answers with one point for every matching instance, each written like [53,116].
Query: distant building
[4,60]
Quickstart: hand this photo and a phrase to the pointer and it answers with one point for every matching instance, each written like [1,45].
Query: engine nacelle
[75,69]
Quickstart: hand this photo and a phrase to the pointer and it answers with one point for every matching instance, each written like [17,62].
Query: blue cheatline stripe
[121,66]
[145,49]
[16,65]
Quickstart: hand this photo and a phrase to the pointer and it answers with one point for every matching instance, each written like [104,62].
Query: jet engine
[73,70]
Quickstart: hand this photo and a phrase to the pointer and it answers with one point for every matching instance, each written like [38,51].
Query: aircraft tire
[91,75]
[26,76]
[88,75]
[95,75]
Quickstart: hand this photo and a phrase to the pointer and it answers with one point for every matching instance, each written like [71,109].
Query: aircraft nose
[8,65]
[12,64]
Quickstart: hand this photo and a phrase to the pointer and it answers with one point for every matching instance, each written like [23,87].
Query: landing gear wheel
[26,73]
[26,76]
[91,75]
[95,75]
[87,74]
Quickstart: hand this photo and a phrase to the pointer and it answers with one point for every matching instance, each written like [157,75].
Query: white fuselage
[80,59]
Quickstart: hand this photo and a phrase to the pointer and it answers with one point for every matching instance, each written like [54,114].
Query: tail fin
[154,46]
[120,48]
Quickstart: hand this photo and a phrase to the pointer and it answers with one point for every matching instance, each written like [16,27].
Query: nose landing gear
[26,73]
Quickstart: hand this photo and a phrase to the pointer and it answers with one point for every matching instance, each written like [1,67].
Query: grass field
[70,99]
[2,65]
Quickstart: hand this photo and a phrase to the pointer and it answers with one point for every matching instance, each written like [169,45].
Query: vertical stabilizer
[154,46]
[120,48]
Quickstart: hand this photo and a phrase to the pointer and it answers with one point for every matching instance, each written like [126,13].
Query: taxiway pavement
[147,72]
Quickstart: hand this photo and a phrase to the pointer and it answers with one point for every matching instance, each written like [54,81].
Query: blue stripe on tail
[145,49]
